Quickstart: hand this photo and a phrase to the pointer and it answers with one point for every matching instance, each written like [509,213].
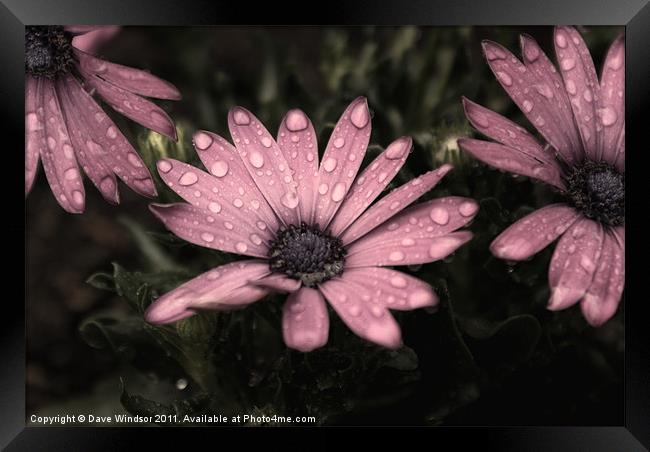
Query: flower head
[65,128]
[310,228]
[582,120]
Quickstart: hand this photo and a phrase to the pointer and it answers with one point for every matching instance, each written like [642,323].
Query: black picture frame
[634,435]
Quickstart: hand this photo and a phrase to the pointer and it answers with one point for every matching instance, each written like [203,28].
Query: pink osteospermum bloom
[67,129]
[582,119]
[310,228]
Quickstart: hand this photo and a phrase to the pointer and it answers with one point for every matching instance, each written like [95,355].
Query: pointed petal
[542,111]
[370,321]
[512,160]
[232,181]
[297,139]
[305,321]
[413,235]
[390,288]
[604,294]
[132,106]
[612,91]
[504,131]
[34,134]
[372,181]
[534,232]
[58,157]
[343,156]
[581,83]
[127,78]
[104,141]
[221,288]
[393,203]
[199,226]
[265,163]
[574,262]
[92,40]
[277,282]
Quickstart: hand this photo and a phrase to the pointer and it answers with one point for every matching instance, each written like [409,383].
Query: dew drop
[467,209]
[607,116]
[396,150]
[329,165]
[238,203]
[255,239]
[354,310]
[77,197]
[111,132]
[290,200]
[71,173]
[338,192]
[228,225]
[339,142]
[571,87]
[202,141]
[188,178]
[568,63]
[439,215]
[528,106]
[531,52]
[505,78]
[207,237]
[241,247]
[256,159]
[408,242]
[219,168]
[240,117]
[214,207]
[266,142]
[322,188]
[560,40]
[360,115]
[398,282]
[134,160]
[164,166]
[296,121]
[396,256]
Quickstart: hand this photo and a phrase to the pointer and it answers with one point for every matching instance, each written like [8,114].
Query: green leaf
[102,281]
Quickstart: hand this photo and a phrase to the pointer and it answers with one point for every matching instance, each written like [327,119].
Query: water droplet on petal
[531,52]
[360,115]
[408,242]
[505,78]
[588,95]
[354,310]
[188,178]
[111,132]
[439,215]
[266,142]
[322,188]
[71,173]
[255,239]
[134,160]
[468,208]
[241,247]
[202,141]
[608,116]
[329,165]
[396,149]
[396,256]
[398,282]
[219,168]
[207,237]
[560,40]
[290,200]
[296,121]
[240,117]
[238,203]
[528,106]
[568,63]
[339,142]
[256,159]
[77,197]
[214,207]
[571,87]
[338,193]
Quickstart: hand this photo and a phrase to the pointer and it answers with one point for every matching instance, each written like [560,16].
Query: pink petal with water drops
[612,102]
[551,87]
[132,106]
[265,163]
[390,289]
[370,321]
[581,83]
[534,232]
[412,234]
[223,288]
[393,203]
[506,132]
[512,160]
[372,181]
[89,156]
[297,139]
[33,131]
[574,262]
[408,251]
[219,231]
[232,180]
[134,80]
[58,158]
[104,139]
[93,40]
[518,81]
[343,156]
[604,294]
[224,207]
[278,282]
[305,321]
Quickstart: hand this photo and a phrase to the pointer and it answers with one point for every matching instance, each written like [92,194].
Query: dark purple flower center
[598,191]
[307,253]
[48,50]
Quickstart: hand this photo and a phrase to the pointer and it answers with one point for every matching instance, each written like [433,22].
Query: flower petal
[393,203]
[371,321]
[581,82]
[58,158]
[612,101]
[512,160]
[372,181]
[390,288]
[420,250]
[574,262]
[130,79]
[520,82]
[103,140]
[265,163]
[343,156]
[33,132]
[221,288]
[92,40]
[231,179]
[132,106]
[534,232]
[305,321]
[297,139]
[199,226]
[410,234]
[504,131]
[604,294]
[278,282]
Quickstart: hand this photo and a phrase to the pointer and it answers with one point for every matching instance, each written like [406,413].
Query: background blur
[491,355]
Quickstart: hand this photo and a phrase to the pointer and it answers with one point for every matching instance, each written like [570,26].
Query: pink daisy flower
[310,228]
[65,128]
[582,120]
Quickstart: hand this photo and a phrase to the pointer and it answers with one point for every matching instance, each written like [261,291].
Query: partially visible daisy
[582,119]
[310,229]
[67,129]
